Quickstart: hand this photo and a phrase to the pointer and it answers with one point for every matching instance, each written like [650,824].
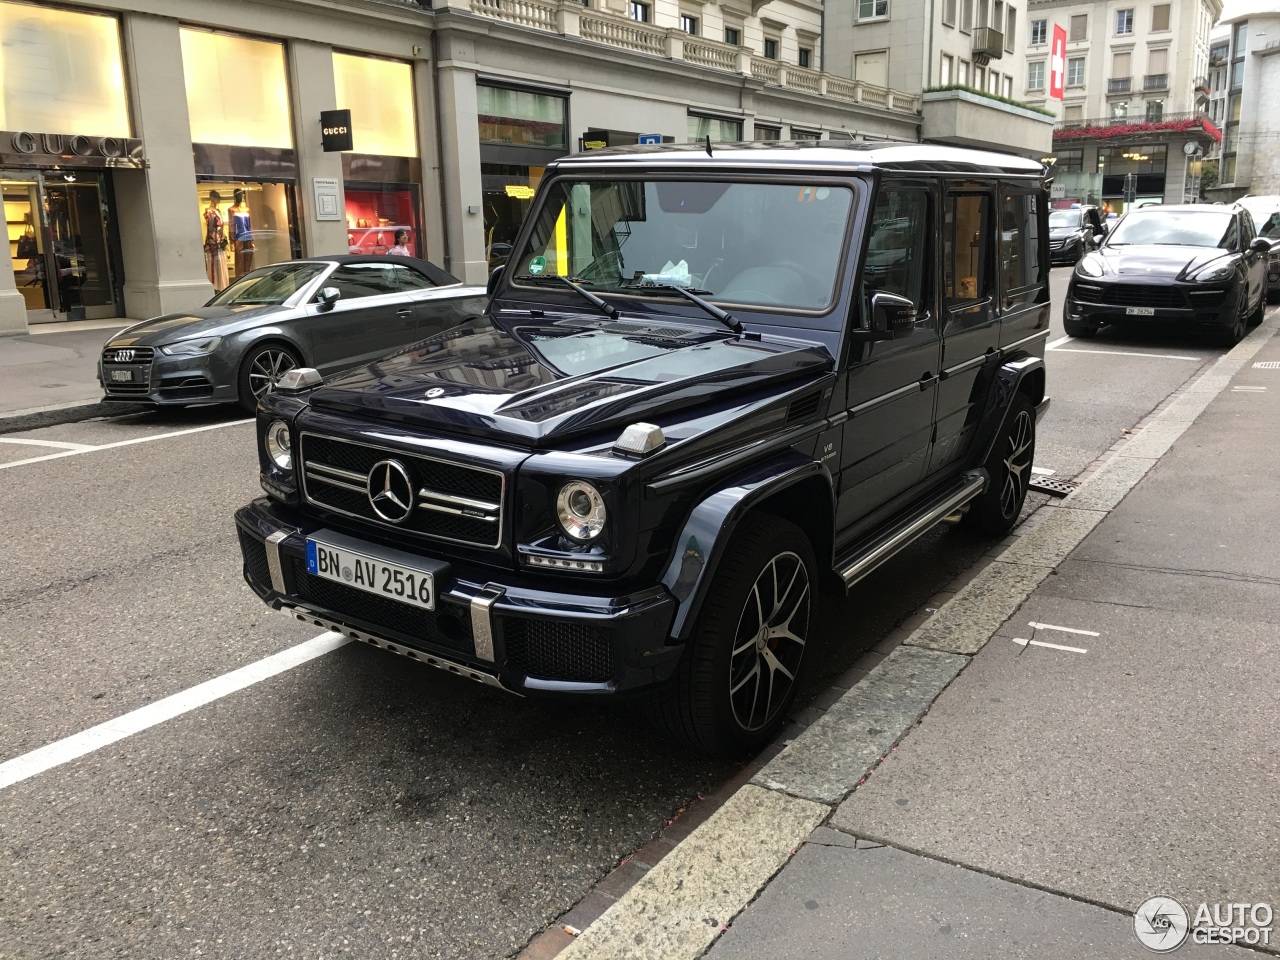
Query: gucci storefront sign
[25,148]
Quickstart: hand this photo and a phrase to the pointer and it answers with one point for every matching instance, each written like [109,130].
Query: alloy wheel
[266,370]
[769,642]
[1017,462]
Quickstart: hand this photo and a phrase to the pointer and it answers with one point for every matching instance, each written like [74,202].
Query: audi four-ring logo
[390,491]
[124,356]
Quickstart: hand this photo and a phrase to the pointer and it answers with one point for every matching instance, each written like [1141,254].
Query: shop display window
[237,93]
[379,94]
[26,245]
[61,72]
[245,225]
[508,195]
[521,118]
[383,218]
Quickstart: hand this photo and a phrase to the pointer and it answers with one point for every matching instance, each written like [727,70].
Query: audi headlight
[279,444]
[1089,266]
[580,510]
[197,347]
[1214,271]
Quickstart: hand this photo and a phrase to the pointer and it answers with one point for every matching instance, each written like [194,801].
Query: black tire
[713,703]
[1256,317]
[995,511]
[267,360]
[1230,336]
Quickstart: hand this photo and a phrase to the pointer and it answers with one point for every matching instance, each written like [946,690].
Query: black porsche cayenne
[1197,266]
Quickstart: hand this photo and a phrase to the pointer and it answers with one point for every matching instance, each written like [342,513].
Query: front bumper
[1182,304]
[487,626]
[171,381]
[1068,252]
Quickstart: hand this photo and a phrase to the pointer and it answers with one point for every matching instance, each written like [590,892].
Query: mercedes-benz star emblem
[390,492]
[435,392]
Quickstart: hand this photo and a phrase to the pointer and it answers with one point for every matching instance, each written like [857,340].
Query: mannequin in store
[215,243]
[241,234]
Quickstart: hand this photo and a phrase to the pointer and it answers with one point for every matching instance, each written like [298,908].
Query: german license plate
[407,584]
[122,376]
[1140,311]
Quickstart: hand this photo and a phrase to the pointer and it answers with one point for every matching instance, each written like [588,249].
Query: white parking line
[1049,626]
[1057,344]
[51,443]
[1122,353]
[104,734]
[1051,646]
[122,443]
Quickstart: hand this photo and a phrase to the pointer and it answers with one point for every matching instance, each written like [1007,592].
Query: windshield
[1266,214]
[269,286]
[766,244]
[1188,228]
[1064,218]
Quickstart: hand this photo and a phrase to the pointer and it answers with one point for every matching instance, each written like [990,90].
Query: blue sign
[649,138]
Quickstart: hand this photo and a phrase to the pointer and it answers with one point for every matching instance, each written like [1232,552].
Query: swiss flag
[1057,63]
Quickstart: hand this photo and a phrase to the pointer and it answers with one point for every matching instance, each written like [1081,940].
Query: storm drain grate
[1267,365]
[1053,486]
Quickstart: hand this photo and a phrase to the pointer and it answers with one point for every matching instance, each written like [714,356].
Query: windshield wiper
[724,317]
[608,309]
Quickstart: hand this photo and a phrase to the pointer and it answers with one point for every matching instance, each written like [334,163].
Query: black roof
[441,278]
[841,154]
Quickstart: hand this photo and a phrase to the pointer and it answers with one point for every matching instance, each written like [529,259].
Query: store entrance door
[58,243]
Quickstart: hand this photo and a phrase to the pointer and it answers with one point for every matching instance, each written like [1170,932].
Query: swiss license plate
[1140,311]
[122,376]
[372,575]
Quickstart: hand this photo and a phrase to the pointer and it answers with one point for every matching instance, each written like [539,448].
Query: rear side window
[358,280]
[1020,262]
[967,250]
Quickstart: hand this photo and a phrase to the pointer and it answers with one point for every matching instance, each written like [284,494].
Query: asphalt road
[356,805]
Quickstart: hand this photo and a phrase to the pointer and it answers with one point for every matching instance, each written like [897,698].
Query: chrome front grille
[450,501]
[135,359]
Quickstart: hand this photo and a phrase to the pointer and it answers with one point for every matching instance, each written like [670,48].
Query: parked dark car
[1265,211]
[1197,266]
[617,482]
[1074,232]
[325,312]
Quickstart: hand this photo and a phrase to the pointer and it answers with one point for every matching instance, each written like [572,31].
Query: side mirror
[494,277]
[1260,245]
[329,296]
[1098,238]
[891,316]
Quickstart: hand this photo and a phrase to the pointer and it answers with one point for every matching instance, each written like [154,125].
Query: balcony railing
[1102,128]
[571,19]
[1155,81]
[1119,85]
[988,42]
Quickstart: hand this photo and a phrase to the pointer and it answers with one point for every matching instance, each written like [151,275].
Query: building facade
[1133,123]
[151,151]
[1247,76]
[958,54]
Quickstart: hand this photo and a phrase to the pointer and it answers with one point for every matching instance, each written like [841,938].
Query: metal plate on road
[410,585]
[1053,486]
[1140,311]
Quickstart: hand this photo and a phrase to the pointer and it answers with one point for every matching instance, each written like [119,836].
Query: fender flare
[1008,380]
[703,539]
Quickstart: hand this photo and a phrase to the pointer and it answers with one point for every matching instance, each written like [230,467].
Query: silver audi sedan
[330,313]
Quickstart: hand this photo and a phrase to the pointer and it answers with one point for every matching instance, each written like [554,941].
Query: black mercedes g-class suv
[708,383]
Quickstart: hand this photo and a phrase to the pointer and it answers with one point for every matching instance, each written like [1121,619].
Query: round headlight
[580,510]
[279,444]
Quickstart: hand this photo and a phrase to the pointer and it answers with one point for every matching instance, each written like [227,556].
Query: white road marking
[1049,626]
[1058,343]
[1248,389]
[78,745]
[1123,353]
[1043,471]
[51,443]
[123,443]
[1051,646]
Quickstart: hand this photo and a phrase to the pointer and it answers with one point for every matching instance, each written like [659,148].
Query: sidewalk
[1092,721]
[50,374]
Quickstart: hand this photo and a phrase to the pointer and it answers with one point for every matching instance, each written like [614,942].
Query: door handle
[927,380]
[404,312]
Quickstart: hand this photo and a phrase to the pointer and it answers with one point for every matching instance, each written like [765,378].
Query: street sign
[649,138]
[1058,63]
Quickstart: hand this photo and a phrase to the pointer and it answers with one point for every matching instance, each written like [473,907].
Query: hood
[1063,231]
[200,322]
[536,384]
[1163,260]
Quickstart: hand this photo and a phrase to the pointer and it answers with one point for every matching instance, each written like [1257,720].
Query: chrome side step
[430,659]
[919,523]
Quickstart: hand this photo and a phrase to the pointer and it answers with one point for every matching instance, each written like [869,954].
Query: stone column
[311,90]
[13,309]
[161,241]
[460,156]
[435,214]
